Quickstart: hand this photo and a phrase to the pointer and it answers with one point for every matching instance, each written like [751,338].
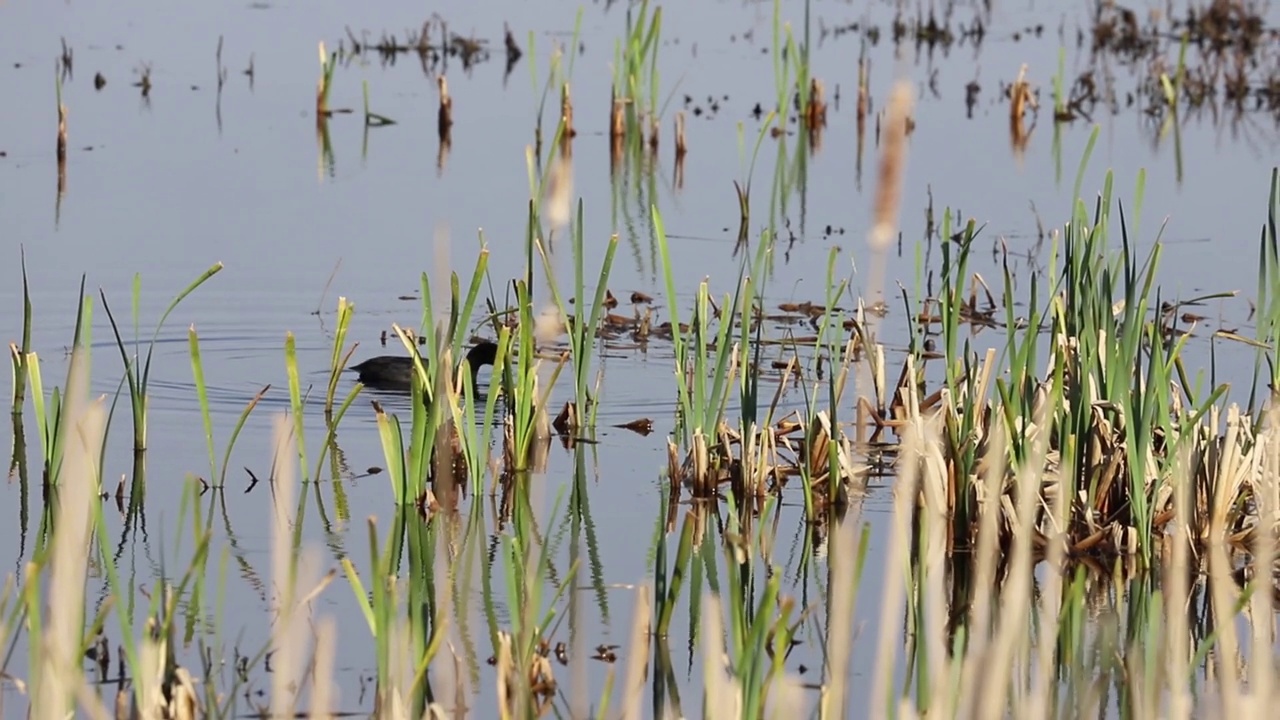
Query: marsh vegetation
[1017,480]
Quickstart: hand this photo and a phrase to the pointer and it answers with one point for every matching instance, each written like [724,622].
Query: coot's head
[484,353]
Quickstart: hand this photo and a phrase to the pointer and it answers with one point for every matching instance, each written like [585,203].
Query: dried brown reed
[59,678]
[1001,670]
[617,117]
[815,114]
[682,143]
[444,115]
[62,156]
[557,204]
[62,135]
[893,155]
[1004,671]
[323,695]
[864,92]
[888,200]
[566,114]
[1020,100]
[638,664]
[292,571]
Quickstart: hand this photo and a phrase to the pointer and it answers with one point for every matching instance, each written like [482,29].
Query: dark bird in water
[395,372]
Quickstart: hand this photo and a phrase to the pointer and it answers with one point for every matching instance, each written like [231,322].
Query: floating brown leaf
[640,426]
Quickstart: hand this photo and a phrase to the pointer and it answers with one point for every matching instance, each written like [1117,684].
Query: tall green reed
[18,353]
[669,582]
[753,277]
[388,616]
[529,428]
[526,556]
[558,77]
[964,375]
[791,66]
[297,400]
[1268,299]
[635,74]
[702,363]
[1109,362]
[217,477]
[584,323]
[742,186]
[433,391]
[50,411]
[339,356]
[476,427]
[1119,364]
[137,370]
[77,538]
[761,623]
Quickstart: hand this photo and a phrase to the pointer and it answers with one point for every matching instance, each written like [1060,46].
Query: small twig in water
[324,293]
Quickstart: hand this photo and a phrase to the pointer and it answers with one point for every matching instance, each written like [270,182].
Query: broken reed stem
[62,152]
[675,473]
[816,112]
[444,117]
[62,121]
[1020,98]
[703,485]
[566,113]
[617,120]
[864,92]
[682,145]
[62,134]
[1019,95]
[322,87]
[815,115]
